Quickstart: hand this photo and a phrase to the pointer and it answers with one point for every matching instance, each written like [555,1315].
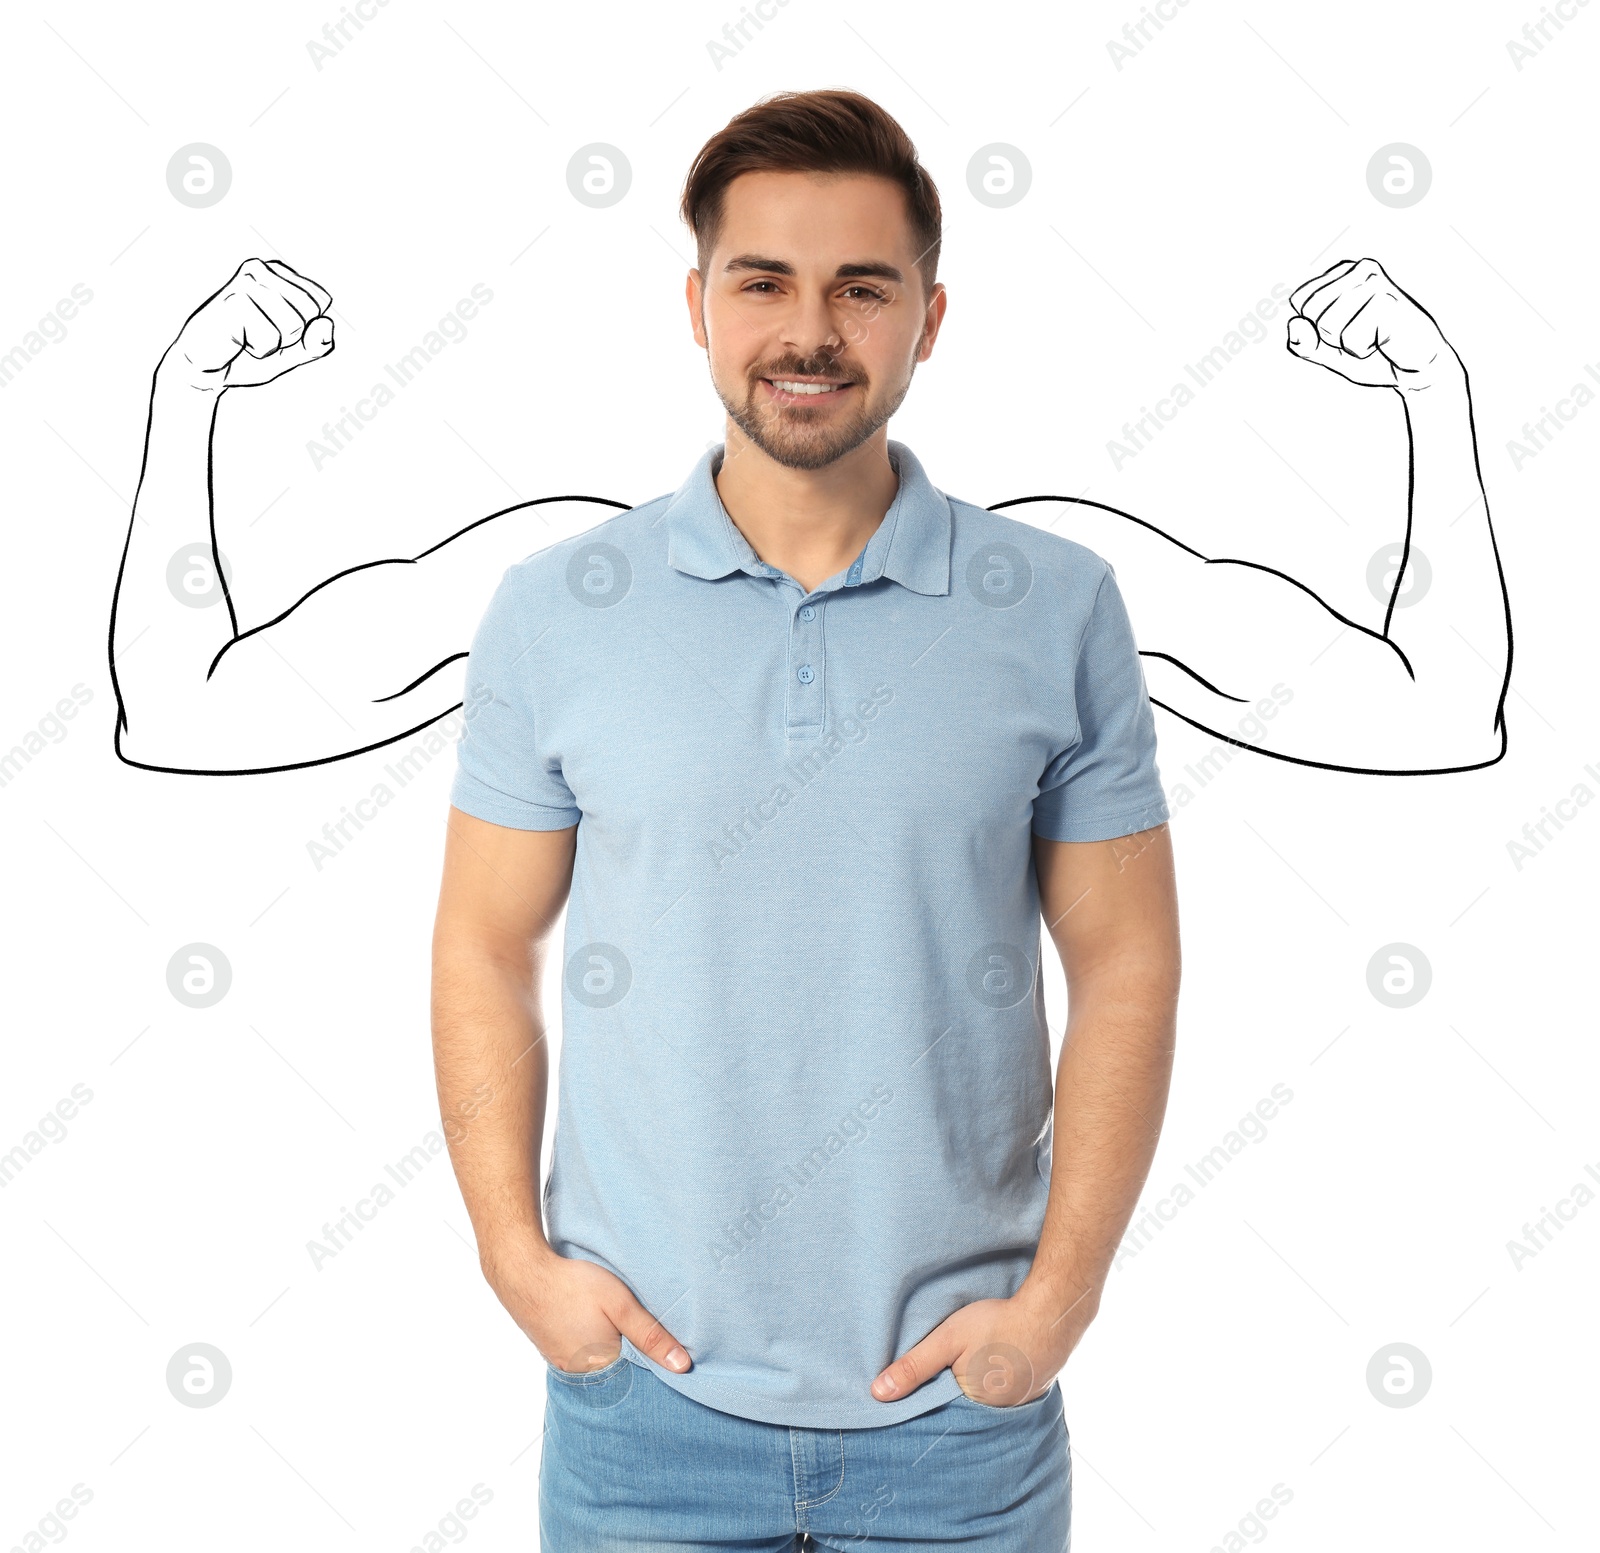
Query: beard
[799,437]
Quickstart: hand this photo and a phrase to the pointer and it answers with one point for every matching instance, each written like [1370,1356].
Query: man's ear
[694,295]
[932,317]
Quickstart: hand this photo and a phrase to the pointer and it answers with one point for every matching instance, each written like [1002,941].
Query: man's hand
[1002,1351]
[266,321]
[576,1312]
[1355,321]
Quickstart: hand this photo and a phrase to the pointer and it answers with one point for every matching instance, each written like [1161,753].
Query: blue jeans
[631,1465]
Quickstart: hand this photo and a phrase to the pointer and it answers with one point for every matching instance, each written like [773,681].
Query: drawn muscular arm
[1223,640]
[365,657]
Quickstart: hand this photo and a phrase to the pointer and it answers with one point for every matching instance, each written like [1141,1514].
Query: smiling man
[806,747]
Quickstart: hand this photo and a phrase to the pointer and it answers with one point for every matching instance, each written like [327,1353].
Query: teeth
[806,388]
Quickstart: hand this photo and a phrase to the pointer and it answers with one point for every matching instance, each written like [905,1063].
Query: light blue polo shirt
[805,1091]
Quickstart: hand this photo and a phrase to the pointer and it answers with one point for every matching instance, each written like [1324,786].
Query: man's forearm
[161,647]
[1111,1094]
[1449,612]
[492,1068]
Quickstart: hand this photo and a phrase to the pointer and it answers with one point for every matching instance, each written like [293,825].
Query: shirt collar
[911,545]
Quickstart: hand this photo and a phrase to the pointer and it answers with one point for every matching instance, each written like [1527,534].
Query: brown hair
[829,131]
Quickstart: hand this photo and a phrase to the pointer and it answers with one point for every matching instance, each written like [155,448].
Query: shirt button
[804,674]
[807,612]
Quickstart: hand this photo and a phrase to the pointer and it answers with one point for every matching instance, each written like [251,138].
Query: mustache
[818,367]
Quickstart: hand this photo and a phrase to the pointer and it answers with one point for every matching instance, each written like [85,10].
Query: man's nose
[810,332]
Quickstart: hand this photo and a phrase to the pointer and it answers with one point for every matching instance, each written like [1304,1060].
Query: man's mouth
[789,389]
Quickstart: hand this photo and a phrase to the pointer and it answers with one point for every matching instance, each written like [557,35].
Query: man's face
[812,311]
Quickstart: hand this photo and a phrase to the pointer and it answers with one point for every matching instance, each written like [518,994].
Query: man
[806,748]
[796,738]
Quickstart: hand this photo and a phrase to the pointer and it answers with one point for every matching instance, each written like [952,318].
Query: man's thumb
[1308,345]
[917,1365]
[317,341]
[651,1338]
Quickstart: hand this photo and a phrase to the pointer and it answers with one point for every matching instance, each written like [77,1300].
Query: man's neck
[810,523]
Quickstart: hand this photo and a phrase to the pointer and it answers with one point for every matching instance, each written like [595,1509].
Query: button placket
[804,700]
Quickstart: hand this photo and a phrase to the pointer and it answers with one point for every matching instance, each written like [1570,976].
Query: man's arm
[1111,907]
[1255,657]
[363,658]
[501,893]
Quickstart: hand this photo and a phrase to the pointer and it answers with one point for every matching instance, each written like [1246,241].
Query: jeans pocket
[589,1377]
[1031,1405]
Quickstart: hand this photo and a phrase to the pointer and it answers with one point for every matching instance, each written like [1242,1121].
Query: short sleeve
[502,774]
[1106,782]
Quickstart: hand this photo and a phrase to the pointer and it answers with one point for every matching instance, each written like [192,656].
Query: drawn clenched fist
[1355,321]
[264,322]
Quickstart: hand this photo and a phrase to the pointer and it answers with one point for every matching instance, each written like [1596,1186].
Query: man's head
[817,235]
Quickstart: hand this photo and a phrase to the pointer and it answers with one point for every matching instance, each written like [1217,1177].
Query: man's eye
[857,293]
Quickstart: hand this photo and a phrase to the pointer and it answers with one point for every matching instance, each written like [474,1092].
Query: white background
[1168,197]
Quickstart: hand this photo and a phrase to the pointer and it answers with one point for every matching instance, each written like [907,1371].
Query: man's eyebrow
[872,267]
